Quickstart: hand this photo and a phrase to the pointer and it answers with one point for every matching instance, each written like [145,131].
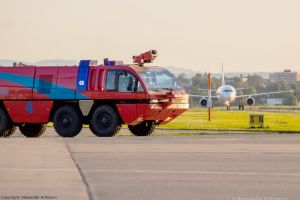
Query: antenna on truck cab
[146,57]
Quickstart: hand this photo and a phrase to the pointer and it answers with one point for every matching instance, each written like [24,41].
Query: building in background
[274,101]
[287,76]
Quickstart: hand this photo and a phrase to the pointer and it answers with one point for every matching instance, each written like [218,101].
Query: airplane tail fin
[223,76]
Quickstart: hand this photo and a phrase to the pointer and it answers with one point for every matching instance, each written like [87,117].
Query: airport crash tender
[101,96]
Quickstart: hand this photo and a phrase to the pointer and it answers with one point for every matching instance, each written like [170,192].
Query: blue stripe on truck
[60,92]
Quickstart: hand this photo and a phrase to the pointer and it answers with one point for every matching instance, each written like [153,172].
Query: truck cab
[145,93]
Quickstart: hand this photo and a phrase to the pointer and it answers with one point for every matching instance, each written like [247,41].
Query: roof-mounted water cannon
[146,57]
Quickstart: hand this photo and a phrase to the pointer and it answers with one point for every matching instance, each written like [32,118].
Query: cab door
[125,94]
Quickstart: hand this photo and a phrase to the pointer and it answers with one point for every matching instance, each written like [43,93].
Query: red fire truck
[101,96]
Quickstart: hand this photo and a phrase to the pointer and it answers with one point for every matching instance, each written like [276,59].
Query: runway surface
[234,167]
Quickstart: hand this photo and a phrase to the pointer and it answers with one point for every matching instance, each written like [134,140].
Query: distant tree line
[252,83]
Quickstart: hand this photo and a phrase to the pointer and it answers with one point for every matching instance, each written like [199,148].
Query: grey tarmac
[231,166]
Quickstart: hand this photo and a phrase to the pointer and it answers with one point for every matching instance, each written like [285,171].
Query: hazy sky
[247,35]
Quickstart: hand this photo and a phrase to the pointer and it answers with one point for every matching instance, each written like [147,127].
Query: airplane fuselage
[226,94]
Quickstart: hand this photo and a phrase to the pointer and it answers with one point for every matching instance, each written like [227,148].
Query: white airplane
[227,94]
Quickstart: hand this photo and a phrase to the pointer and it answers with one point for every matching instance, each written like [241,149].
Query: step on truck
[101,96]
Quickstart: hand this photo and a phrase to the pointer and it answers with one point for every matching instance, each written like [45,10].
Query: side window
[111,80]
[126,82]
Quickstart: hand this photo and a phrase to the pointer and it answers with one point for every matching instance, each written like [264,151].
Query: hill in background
[175,70]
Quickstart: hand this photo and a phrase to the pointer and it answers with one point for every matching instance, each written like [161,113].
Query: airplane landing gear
[228,107]
[241,107]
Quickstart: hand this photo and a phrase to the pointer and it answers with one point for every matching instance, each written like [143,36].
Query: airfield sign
[256,121]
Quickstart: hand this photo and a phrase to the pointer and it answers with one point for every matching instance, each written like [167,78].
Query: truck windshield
[158,79]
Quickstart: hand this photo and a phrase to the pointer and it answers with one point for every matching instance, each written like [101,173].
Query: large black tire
[67,121]
[142,129]
[105,122]
[32,130]
[5,123]
[9,131]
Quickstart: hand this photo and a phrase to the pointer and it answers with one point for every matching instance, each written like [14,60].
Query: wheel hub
[66,121]
[105,120]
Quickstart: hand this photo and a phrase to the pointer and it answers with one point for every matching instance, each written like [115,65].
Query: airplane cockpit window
[228,90]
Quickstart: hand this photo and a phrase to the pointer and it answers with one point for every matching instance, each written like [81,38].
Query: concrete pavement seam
[87,187]
[195,172]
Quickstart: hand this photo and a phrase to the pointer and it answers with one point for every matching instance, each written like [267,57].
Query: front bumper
[160,113]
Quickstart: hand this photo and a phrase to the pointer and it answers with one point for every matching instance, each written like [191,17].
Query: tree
[183,79]
[199,81]
[290,100]
[257,82]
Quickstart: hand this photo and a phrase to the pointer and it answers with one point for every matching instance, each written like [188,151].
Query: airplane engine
[250,101]
[203,102]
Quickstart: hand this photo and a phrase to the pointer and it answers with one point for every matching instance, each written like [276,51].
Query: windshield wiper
[170,89]
[156,90]
[161,89]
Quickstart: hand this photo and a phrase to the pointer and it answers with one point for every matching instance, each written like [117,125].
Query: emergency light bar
[108,62]
[146,57]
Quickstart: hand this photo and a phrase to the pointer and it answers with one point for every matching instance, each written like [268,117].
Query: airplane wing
[202,96]
[260,94]
[206,90]
[237,89]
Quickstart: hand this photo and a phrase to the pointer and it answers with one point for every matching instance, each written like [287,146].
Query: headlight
[180,101]
[159,100]
[153,100]
[164,100]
